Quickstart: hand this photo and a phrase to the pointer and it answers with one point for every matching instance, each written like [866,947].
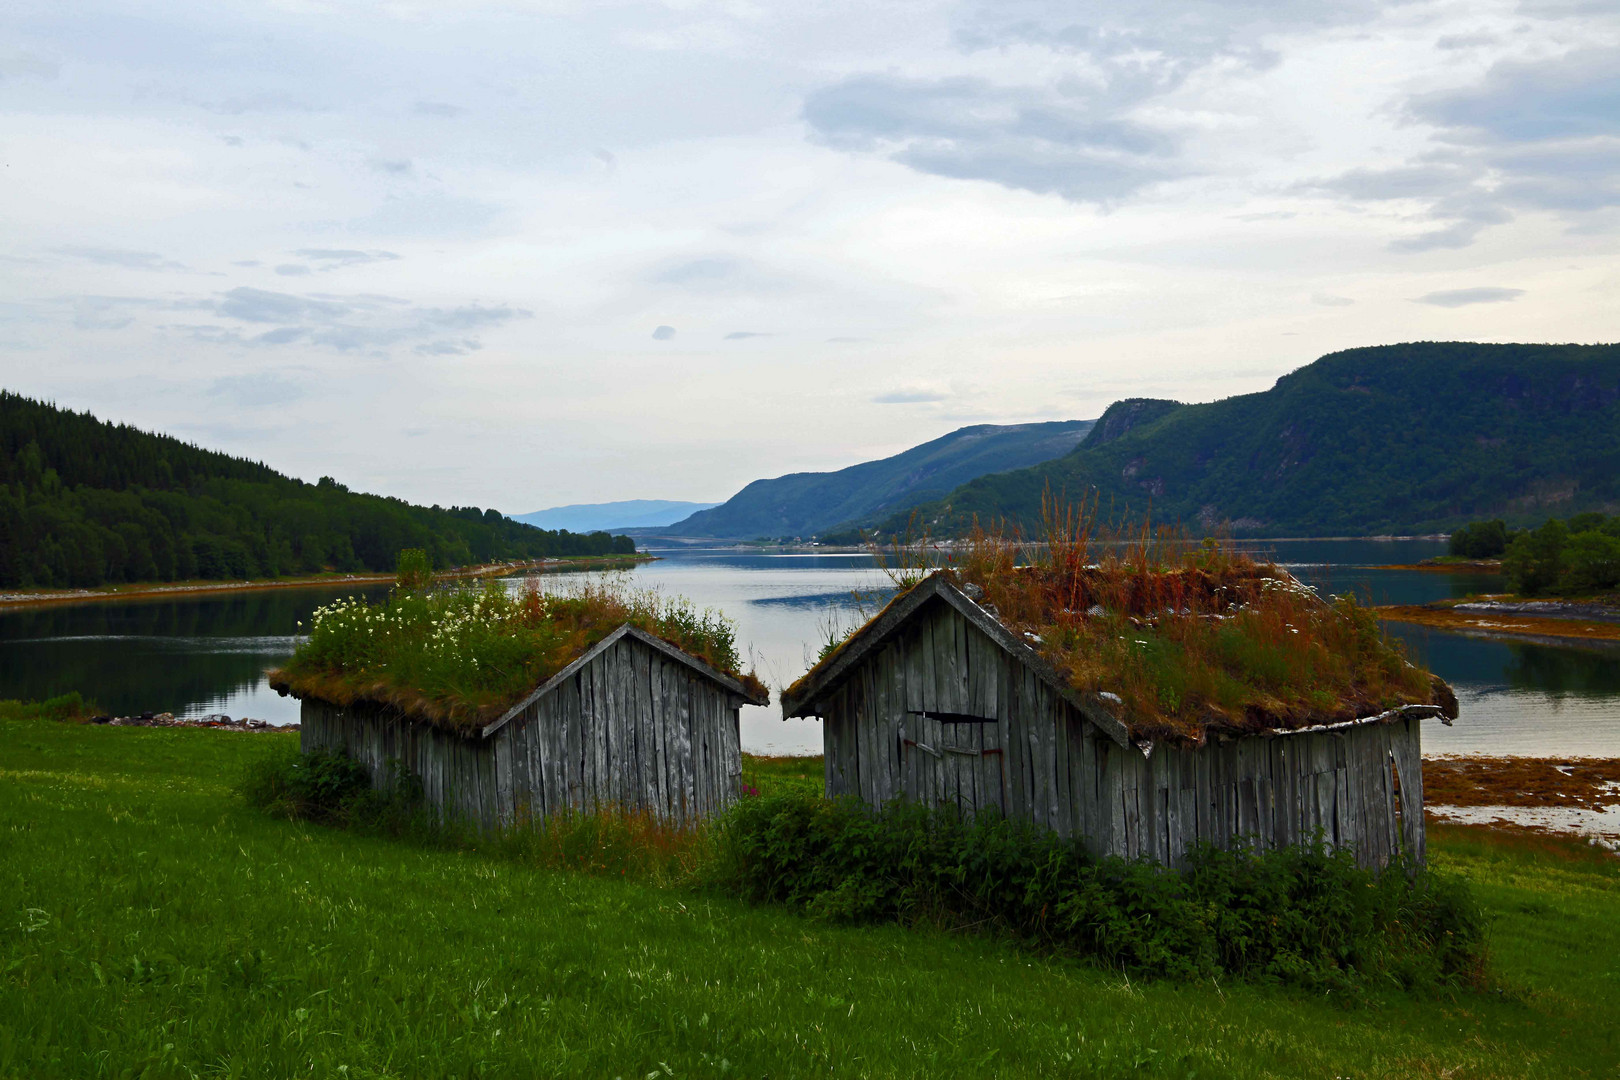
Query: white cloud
[1485,294]
[912,395]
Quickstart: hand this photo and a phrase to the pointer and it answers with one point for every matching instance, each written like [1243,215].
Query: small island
[1563,580]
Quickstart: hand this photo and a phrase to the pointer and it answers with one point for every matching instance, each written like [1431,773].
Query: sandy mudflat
[1570,796]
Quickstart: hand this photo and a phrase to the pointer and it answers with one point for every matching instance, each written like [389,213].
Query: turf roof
[1179,652]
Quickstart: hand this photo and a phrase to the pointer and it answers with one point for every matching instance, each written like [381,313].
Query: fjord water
[207,654]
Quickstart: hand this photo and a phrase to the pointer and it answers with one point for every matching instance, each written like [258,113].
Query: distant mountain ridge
[807,504]
[608,516]
[1406,438]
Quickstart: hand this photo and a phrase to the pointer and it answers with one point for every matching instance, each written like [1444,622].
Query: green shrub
[1481,540]
[414,570]
[1591,563]
[1534,561]
[322,786]
[70,706]
[1578,557]
[1303,915]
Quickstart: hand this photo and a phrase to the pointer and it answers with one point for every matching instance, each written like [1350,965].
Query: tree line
[84,502]
[1577,556]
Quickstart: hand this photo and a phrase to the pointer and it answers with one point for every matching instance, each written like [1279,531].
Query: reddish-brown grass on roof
[1191,637]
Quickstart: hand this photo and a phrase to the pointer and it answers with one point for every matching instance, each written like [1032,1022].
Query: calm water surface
[209,654]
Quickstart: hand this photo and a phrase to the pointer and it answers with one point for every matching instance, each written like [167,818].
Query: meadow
[153,925]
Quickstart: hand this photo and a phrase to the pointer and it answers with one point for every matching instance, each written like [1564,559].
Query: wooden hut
[936,701]
[633,722]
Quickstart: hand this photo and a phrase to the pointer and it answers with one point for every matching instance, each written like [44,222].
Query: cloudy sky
[522,254]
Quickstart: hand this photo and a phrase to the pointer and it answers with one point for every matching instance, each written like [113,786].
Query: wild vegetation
[1301,915]
[1188,638]
[84,502]
[461,656]
[330,788]
[1480,540]
[1304,916]
[1393,439]
[153,925]
[1577,556]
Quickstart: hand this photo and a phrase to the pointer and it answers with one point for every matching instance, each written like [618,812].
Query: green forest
[1411,438]
[1577,556]
[84,502]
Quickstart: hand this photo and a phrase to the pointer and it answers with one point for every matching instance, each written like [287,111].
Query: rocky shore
[1526,619]
[212,720]
[1543,609]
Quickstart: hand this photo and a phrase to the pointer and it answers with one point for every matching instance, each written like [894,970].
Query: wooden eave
[651,641]
[804,696]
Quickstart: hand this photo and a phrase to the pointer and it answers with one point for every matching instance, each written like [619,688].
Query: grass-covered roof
[1178,640]
[460,658]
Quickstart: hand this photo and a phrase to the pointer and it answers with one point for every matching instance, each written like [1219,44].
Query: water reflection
[186,655]
[1579,669]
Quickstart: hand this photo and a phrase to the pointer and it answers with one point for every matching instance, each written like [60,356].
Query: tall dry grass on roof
[1192,638]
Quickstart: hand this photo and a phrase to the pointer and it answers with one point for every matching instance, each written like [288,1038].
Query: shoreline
[1502,620]
[1466,566]
[1557,796]
[150,590]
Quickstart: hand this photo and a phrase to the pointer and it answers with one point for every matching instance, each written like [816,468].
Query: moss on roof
[461,658]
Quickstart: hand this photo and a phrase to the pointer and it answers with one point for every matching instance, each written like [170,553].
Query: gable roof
[805,695]
[802,698]
[651,641]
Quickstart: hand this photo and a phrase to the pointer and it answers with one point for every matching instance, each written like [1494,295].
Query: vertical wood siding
[1036,757]
[632,729]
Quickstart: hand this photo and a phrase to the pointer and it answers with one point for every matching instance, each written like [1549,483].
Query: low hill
[83,502]
[806,504]
[625,514]
[1408,438]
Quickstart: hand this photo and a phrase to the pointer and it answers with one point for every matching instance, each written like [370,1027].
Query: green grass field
[151,925]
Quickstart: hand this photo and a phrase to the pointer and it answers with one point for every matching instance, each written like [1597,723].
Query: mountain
[627,514]
[1408,438]
[83,502]
[806,504]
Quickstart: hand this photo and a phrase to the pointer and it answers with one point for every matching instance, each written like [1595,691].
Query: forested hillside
[1393,439]
[84,502]
[805,504]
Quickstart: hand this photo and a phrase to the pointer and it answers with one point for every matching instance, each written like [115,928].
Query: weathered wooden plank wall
[1032,755]
[632,728]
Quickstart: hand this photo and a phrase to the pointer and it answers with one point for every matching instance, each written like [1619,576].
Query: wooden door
[953,758]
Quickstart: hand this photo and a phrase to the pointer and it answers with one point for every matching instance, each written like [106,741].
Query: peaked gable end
[804,697]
